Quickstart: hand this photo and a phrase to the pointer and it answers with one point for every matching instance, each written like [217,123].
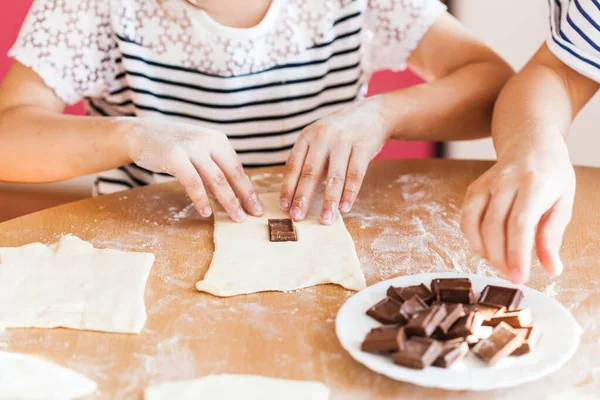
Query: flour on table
[25,377]
[234,387]
[73,285]
[245,261]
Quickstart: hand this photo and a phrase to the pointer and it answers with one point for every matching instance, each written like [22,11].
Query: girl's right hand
[197,156]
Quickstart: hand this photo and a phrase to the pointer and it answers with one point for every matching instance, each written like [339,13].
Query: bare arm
[465,79]
[527,197]
[39,144]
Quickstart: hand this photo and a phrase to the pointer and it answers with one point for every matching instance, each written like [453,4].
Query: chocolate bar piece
[455,290]
[426,321]
[412,306]
[502,342]
[479,333]
[455,311]
[465,326]
[282,230]
[531,335]
[382,340]
[488,312]
[501,296]
[407,293]
[452,353]
[387,312]
[418,353]
[516,319]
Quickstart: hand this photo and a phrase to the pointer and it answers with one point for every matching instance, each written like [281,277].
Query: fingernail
[328,217]
[284,204]
[240,215]
[257,206]
[206,211]
[296,213]
[559,267]
[345,206]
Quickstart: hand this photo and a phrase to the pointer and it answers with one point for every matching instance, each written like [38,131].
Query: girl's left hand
[338,147]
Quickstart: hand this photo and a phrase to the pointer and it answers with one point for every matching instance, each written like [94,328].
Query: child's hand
[196,156]
[525,197]
[338,147]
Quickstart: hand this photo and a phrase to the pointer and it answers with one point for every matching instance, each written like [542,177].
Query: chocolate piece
[426,321]
[381,340]
[410,307]
[455,311]
[516,319]
[456,290]
[282,230]
[502,342]
[401,339]
[409,292]
[501,296]
[465,326]
[393,293]
[418,353]
[479,333]
[451,354]
[531,335]
[387,312]
[488,312]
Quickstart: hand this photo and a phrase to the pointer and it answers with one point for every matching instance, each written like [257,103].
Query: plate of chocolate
[457,331]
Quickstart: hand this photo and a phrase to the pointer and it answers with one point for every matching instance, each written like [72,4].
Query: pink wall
[14,12]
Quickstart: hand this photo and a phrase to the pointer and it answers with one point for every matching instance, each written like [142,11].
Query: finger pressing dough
[235,387]
[73,285]
[245,261]
[25,377]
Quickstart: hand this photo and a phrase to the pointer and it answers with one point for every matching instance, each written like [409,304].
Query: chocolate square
[381,340]
[516,319]
[412,306]
[501,296]
[387,312]
[418,353]
[455,311]
[503,341]
[531,335]
[452,353]
[453,290]
[426,321]
[282,230]
[488,312]
[465,326]
[407,293]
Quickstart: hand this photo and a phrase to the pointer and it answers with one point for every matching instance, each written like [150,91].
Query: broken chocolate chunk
[452,353]
[453,290]
[501,296]
[387,312]
[488,312]
[282,230]
[426,321]
[407,293]
[531,335]
[381,340]
[465,326]
[516,319]
[418,353]
[455,311]
[503,341]
[412,306]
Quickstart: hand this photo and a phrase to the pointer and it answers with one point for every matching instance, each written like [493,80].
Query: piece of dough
[236,387]
[73,285]
[245,261]
[25,377]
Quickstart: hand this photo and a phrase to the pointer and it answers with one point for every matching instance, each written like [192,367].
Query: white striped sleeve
[575,35]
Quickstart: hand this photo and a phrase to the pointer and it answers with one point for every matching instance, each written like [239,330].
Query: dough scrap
[26,377]
[245,261]
[235,387]
[73,285]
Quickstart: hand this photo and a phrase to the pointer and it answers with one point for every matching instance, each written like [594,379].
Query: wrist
[120,131]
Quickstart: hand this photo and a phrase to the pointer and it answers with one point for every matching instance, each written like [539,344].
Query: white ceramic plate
[560,337]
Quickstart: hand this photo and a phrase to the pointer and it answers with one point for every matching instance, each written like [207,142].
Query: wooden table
[405,222]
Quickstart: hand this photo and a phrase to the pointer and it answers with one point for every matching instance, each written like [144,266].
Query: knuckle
[356,174]
[238,173]
[520,220]
[219,180]
[309,171]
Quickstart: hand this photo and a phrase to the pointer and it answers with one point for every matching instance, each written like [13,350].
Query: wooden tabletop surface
[405,222]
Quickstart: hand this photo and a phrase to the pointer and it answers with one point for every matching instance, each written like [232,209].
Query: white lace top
[261,86]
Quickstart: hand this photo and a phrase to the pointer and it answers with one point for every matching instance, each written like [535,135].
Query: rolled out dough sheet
[236,387]
[73,285]
[25,377]
[245,261]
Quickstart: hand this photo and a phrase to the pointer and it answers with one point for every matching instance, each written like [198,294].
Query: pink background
[14,12]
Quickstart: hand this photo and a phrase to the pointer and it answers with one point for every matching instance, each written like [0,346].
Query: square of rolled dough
[73,285]
[235,387]
[245,261]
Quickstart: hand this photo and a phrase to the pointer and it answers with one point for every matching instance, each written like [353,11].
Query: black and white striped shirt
[260,86]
